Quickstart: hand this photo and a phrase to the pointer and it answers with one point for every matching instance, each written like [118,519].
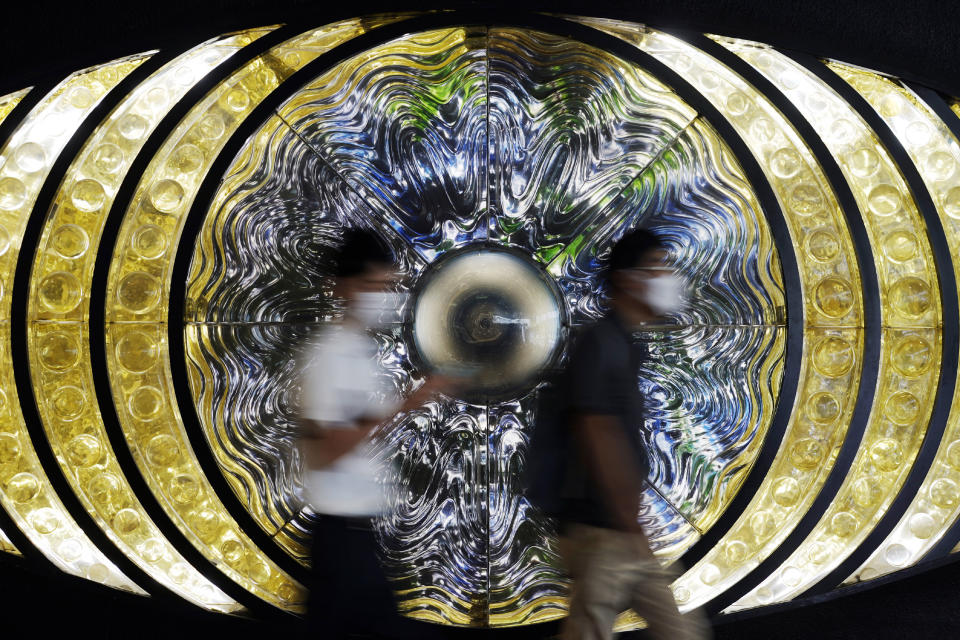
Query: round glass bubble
[69,241]
[710,574]
[60,292]
[902,408]
[68,402]
[108,158]
[58,351]
[232,552]
[104,489]
[138,292]
[791,576]
[23,487]
[885,200]
[84,450]
[762,129]
[153,550]
[806,199]
[211,127]
[184,489]
[822,245]
[162,450]
[45,521]
[887,455]
[237,100]
[910,297]
[206,524]
[763,524]
[950,201]
[166,195]
[136,351]
[918,134]
[823,407]
[12,194]
[866,492]
[897,555]
[842,131]
[88,195]
[80,97]
[833,297]
[900,246]
[149,241]
[70,550]
[922,525]
[806,454]
[833,356]
[953,454]
[737,103]
[891,104]
[844,524]
[187,159]
[145,403]
[156,99]
[863,162]
[785,163]
[30,157]
[944,493]
[126,521]
[132,127]
[911,356]
[786,492]
[736,552]
[940,165]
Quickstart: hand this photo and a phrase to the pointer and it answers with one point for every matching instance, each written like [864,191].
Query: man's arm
[323,445]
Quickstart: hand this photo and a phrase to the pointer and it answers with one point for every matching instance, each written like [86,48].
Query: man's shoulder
[605,333]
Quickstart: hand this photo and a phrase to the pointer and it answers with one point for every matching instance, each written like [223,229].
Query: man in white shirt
[344,396]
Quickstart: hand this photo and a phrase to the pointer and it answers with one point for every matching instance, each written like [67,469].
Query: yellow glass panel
[825,255]
[909,293]
[137,301]
[25,161]
[936,154]
[59,309]
[9,102]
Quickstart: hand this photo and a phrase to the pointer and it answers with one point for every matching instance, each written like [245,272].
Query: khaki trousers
[613,571]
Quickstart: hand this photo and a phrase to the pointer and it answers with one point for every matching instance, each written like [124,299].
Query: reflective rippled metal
[453,137]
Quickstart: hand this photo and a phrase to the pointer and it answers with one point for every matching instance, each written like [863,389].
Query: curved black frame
[950,321]
[20,292]
[556,26]
[97,328]
[871,316]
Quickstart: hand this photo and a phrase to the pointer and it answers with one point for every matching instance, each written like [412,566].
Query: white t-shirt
[342,383]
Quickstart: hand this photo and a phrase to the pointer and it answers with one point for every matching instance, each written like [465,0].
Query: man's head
[641,282]
[364,266]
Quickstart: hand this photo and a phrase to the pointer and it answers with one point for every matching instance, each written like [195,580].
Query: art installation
[168,224]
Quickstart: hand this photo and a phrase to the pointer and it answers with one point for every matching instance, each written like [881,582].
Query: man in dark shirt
[605,549]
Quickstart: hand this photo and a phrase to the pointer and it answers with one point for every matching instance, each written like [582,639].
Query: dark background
[44,41]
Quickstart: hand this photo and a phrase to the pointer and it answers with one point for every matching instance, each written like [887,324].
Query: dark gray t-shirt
[601,379]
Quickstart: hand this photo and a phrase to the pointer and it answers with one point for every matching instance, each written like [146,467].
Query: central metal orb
[488,315]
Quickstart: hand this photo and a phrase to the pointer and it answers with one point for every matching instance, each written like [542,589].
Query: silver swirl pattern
[443,139]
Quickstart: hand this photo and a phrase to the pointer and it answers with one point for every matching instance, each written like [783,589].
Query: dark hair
[630,250]
[361,250]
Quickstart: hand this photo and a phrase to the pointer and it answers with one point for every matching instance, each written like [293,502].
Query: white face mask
[380,308]
[664,294]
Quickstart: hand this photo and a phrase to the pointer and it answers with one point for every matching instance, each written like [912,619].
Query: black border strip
[108,411]
[557,26]
[20,293]
[871,316]
[7,128]
[950,322]
[939,106]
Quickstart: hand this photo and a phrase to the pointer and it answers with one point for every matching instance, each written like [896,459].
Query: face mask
[664,294]
[378,309]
